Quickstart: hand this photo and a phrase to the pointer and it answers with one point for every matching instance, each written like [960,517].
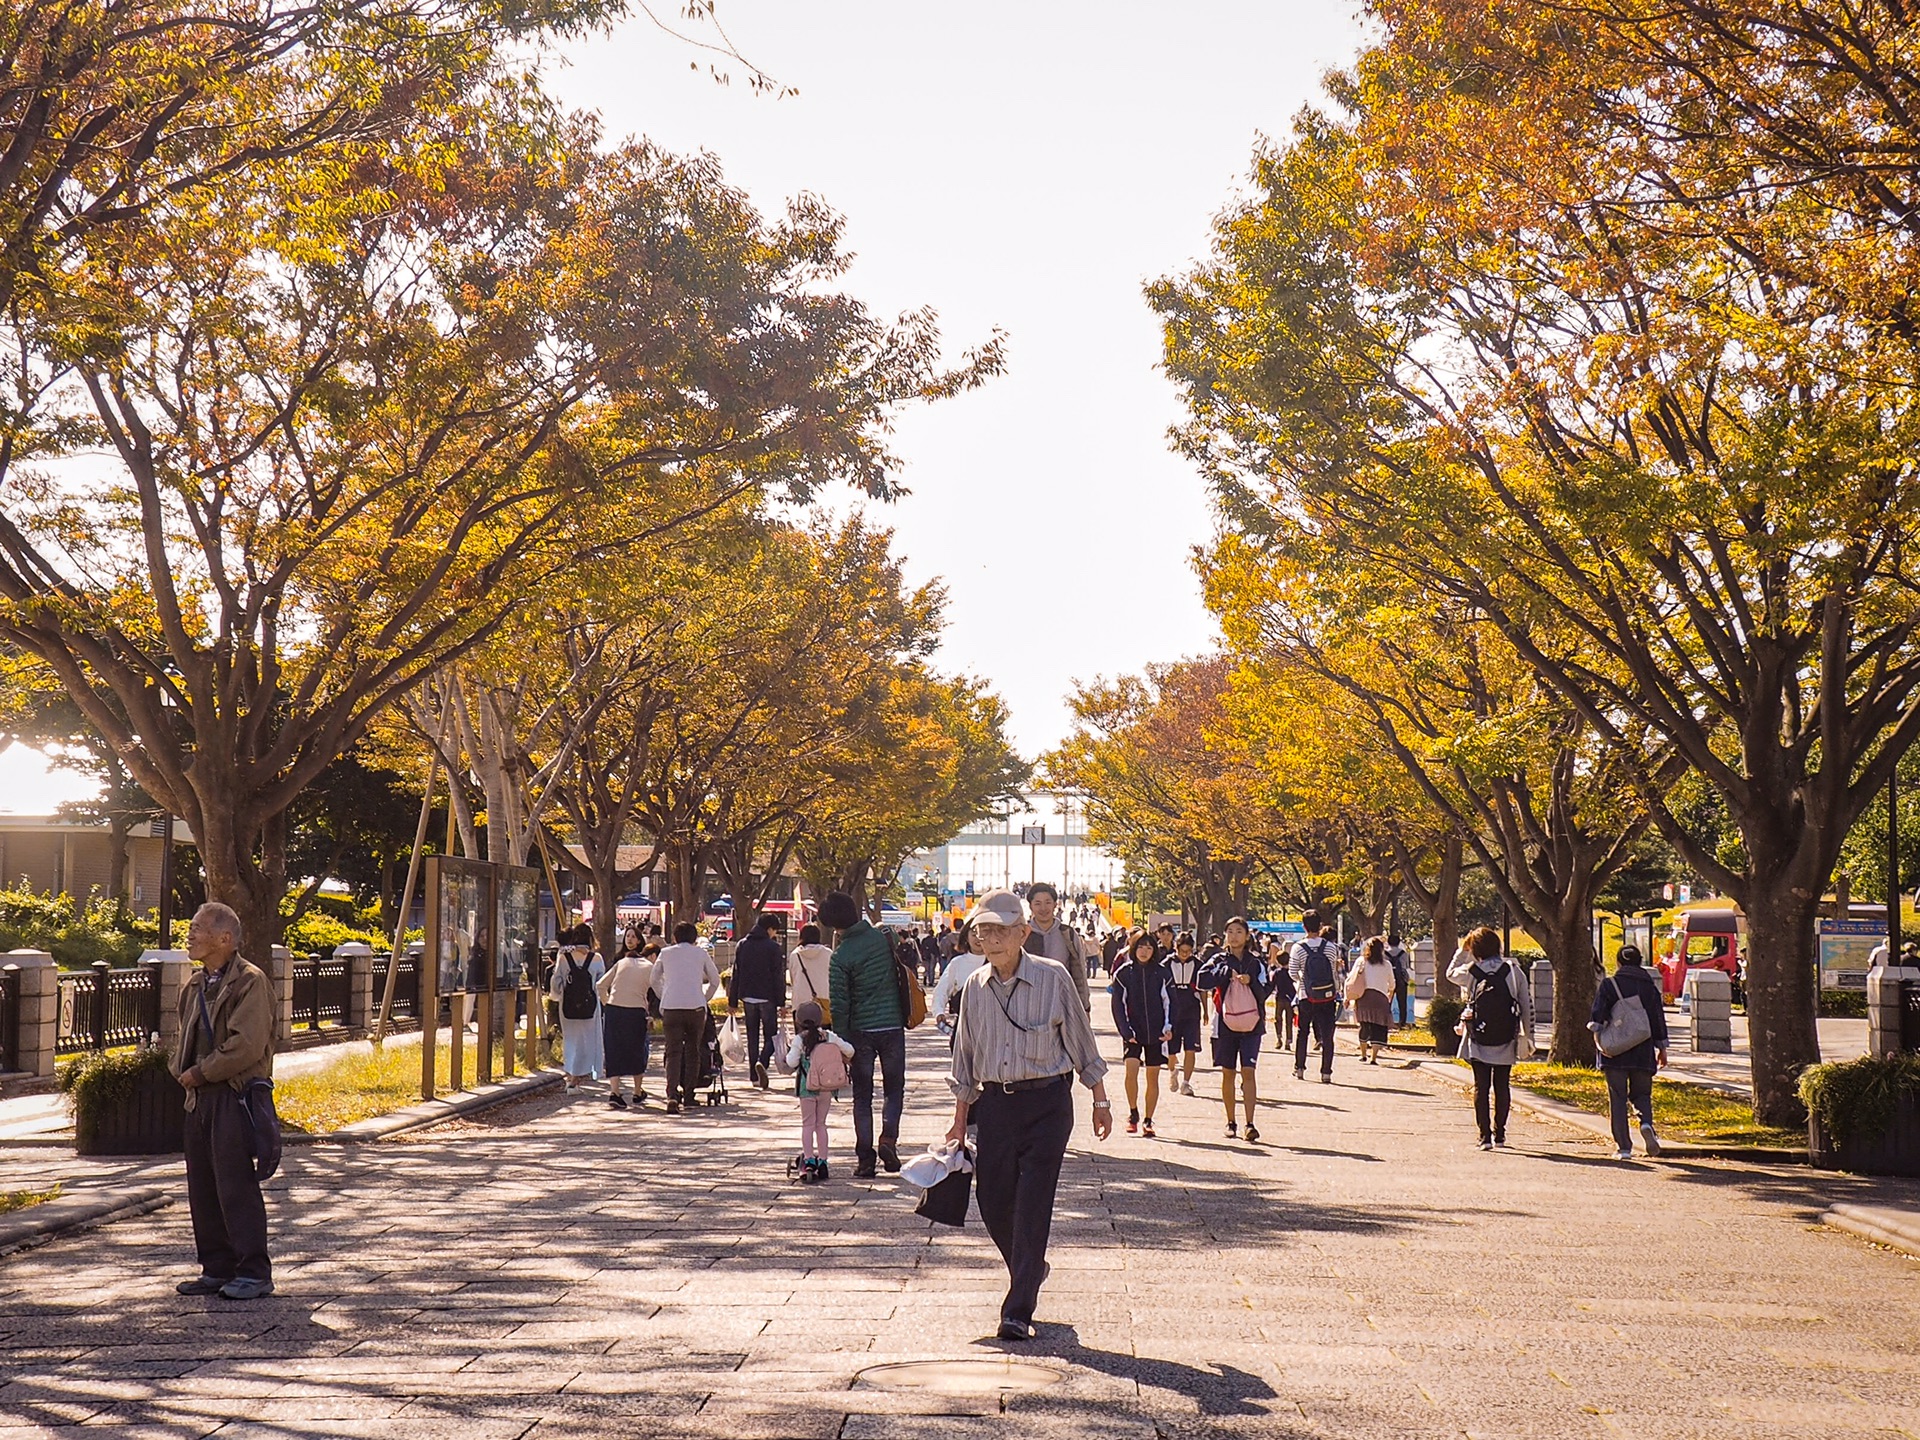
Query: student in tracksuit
[1185,992]
[1143,1014]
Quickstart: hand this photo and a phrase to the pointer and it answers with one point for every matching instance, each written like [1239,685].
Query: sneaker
[617,1100]
[1186,1087]
[640,1097]
[890,1157]
[1233,1130]
[865,1170]
[1485,1143]
[760,1077]
[1015,1330]
[1648,1138]
[1499,1142]
[1253,1134]
[202,1285]
[1146,1127]
[1133,1122]
[1300,1074]
[246,1289]
[1623,1155]
[1326,1079]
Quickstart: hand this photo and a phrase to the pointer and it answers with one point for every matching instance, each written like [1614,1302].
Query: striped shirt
[1026,1028]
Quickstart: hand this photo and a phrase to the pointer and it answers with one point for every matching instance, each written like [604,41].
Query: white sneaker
[1648,1138]
[1624,1155]
[1186,1087]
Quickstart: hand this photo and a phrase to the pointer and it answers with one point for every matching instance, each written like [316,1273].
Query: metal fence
[320,989]
[101,1008]
[406,987]
[10,1018]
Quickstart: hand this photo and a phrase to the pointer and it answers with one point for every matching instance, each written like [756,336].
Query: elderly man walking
[1052,937]
[1022,1035]
[226,1043]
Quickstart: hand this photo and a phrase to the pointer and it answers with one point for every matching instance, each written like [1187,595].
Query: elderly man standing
[226,1042]
[1021,1038]
[1052,937]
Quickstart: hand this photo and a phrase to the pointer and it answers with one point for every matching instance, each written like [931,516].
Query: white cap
[999,907]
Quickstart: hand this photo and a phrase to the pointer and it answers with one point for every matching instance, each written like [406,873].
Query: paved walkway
[567,1270]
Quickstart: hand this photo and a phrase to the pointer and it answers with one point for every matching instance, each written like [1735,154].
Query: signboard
[1278,927]
[460,923]
[516,927]
[1844,948]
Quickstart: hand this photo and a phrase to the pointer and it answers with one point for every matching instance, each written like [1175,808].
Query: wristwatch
[1103,1105]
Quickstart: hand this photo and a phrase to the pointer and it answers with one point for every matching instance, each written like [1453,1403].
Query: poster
[516,927]
[460,922]
[1845,946]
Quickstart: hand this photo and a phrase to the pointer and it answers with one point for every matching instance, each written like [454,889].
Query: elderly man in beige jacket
[226,1042]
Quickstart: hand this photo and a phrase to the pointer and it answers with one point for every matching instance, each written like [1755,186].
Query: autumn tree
[1482,332]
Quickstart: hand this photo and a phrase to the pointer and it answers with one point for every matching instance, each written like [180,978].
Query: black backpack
[577,1000]
[1496,1012]
[1318,973]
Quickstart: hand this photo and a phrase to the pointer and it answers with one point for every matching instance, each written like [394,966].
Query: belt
[1013,1087]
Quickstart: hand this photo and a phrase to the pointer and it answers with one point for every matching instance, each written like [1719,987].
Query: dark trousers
[889,1047]
[763,1017]
[1403,1000]
[1625,1086]
[1022,1138]
[1497,1079]
[1317,1021]
[229,1215]
[1283,1026]
[685,1032]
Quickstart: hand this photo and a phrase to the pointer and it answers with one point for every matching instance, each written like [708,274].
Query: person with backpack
[1188,1010]
[1143,1014]
[1314,965]
[1370,987]
[818,1059]
[1632,1046]
[1237,975]
[1279,962]
[1402,964]
[757,984]
[865,989]
[576,974]
[1498,1028]
[686,980]
[623,991]
[807,971]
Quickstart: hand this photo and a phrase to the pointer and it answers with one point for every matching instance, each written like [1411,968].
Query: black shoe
[673,1107]
[1233,1130]
[1015,1330]
[617,1100]
[202,1285]
[1252,1134]
[865,1171]
[1326,1079]
[1300,1074]
[890,1157]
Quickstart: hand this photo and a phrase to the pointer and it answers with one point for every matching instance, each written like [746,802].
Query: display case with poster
[516,927]
[460,922]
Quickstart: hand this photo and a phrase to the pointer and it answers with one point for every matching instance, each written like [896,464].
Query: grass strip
[12,1200]
[358,1087]
[1683,1111]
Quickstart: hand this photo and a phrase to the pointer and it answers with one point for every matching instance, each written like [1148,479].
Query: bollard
[39,981]
[1710,996]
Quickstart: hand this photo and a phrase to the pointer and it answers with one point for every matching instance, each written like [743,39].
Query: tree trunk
[117,888]
[1569,946]
[1781,985]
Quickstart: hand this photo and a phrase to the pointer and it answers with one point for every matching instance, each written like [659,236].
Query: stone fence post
[174,970]
[360,997]
[1710,998]
[1883,1008]
[280,971]
[39,1009]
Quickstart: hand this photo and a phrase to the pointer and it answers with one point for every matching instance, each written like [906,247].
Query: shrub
[75,932]
[1844,1004]
[319,932]
[1442,1016]
[1857,1098]
[102,1080]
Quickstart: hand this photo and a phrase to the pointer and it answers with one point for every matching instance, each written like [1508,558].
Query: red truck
[1704,939]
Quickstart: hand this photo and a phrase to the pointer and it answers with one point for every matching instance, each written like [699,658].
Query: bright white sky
[1015,165]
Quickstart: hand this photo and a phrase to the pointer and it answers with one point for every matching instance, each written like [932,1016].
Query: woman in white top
[1498,1026]
[623,990]
[582,1049]
[1370,987]
[807,971]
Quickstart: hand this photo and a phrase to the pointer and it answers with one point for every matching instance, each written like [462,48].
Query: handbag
[256,1101]
[946,1203]
[1625,1026]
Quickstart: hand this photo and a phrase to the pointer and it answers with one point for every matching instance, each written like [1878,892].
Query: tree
[1466,333]
[363,403]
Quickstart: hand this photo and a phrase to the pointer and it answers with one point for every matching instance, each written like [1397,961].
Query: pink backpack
[826,1068]
[1239,1008]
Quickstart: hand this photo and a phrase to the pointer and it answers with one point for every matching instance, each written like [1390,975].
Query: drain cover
[961,1377]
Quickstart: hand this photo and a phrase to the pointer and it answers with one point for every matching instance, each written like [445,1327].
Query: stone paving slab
[557,1268]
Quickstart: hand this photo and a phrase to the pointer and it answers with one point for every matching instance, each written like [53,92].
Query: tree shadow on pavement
[1812,1191]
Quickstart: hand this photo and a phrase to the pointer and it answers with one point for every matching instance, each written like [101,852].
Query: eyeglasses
[987,930]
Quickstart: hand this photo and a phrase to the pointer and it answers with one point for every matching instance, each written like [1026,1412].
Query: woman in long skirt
[583,1051]
[623,990]
[1370,987]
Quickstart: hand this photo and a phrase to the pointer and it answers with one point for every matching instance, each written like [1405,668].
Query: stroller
[713,1069]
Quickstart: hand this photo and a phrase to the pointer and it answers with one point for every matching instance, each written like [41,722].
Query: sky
[1026,167]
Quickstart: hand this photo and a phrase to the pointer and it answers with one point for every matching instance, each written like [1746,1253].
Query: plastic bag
[733,1045]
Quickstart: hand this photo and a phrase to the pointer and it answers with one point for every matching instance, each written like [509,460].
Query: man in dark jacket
[864,988]
[758,985]
[1630,1073]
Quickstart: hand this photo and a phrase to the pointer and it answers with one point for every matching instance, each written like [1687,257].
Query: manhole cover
[961,1377]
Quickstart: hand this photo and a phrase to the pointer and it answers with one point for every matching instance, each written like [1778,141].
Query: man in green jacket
[864,988]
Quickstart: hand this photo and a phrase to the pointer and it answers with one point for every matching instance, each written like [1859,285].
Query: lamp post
[1893,866]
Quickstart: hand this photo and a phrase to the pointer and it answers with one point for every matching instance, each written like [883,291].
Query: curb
[1898,1228]
[1598,1128]
[432,1112]
[51,1218]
